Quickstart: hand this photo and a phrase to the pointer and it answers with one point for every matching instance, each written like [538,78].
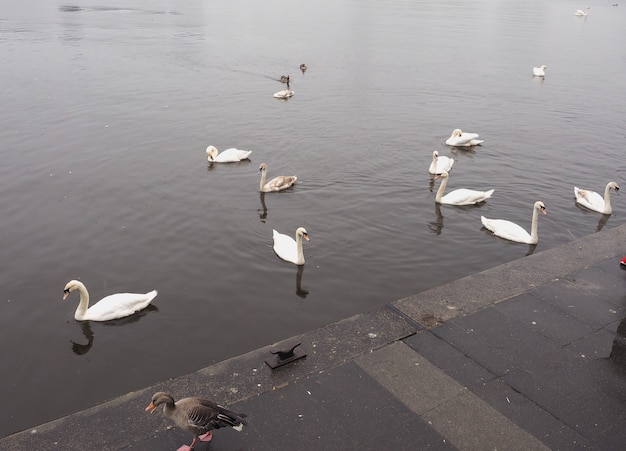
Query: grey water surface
[106,108]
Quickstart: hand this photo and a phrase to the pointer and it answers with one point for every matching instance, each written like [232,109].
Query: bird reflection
[431,183]
[437,226]
[531,249]
[81,349]
[85,326]
[263,210]
[603,220]
[299,291]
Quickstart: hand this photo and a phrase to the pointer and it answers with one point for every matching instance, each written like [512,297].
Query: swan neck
[300,258]
[607,198]
[83,305]
[262,183]
[441,189]
[533,227]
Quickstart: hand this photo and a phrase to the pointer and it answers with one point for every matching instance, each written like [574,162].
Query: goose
[460,196]
[593,201]
[440,164]
[460,139]
[114,306]
[303,67]
[277,183]
[582,12]
[196,415]
[540,71]
[289,249]
[227,156]
[284,79]
[284,94]
[511,231]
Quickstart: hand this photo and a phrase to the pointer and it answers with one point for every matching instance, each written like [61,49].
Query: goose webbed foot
[206,437]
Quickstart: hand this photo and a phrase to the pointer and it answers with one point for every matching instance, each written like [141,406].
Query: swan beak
[66,293]
[151,407]
[306,236]
[543,210]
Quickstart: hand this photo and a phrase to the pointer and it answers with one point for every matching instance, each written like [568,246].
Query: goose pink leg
[188,447]
[203,438]
[206,437]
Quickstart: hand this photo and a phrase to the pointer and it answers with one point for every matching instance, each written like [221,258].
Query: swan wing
[506,229]
[232,155]
[280,183]
[589,199]
[444,164]
[285,246]
[119,305]
[465,196]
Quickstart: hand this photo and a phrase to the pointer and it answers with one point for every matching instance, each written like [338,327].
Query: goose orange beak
[151,407]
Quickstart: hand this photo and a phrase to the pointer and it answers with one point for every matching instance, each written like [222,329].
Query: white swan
[440,164]
[284,94]
[227,156]
[593,201]
[289,249]
[540,71]
[277,183]
[111,307]
[460,139]
[511,231]
[582,12]
[460,196]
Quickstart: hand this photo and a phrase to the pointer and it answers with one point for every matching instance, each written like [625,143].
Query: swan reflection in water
[602,222]
[531,247]
[603,218]
[436,226]
[263,209]
[85,326]
[299,290]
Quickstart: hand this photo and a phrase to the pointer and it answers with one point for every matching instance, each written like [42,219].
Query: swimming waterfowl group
[201,416]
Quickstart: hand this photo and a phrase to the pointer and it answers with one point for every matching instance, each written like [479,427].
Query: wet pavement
[527,355]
